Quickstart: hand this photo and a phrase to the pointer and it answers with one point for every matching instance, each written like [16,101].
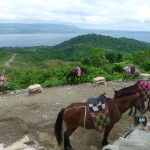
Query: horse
[74,73]
[3,83]
[130,70]
[75,114]
[133,88]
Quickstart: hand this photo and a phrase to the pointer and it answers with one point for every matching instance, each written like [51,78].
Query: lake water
[51,39]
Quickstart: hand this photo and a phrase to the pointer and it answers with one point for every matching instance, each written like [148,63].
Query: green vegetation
[101,55]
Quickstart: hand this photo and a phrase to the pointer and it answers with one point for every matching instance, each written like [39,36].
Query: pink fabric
[79,72]
[132,69]
[145,85]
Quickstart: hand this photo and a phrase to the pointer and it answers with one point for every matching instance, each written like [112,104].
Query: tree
[146,65]
[97,57]
[110,57]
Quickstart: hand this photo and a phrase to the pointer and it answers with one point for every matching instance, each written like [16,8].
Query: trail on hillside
[7,64]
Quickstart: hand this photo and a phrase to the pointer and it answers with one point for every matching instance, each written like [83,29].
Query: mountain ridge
[21,28]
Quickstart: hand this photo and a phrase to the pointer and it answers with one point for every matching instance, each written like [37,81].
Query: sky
[87,14]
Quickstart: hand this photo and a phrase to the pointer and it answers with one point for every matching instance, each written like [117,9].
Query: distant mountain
[17,28]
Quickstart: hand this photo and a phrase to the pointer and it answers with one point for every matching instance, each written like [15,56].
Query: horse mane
[126,94]
[132,86]
[126,88]
[83,69]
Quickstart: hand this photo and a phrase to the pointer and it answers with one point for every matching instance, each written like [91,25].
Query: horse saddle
[96,105]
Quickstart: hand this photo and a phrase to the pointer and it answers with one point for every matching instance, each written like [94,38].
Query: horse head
[85,71]
[116,94]
[139,72]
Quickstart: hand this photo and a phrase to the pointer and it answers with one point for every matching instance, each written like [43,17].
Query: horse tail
[68,76]
[58,127]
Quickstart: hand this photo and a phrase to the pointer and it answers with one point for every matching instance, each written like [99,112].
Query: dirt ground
[35,115]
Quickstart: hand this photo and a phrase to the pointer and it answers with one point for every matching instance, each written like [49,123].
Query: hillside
[77,48]
[49,66]
[74,49]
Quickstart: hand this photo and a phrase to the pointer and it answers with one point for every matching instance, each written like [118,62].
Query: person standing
[4,80]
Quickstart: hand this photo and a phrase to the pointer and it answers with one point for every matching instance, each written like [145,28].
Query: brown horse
[130,89]
[75,114]
[74,73]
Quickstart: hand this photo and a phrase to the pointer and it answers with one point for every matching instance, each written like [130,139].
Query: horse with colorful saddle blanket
[76,114]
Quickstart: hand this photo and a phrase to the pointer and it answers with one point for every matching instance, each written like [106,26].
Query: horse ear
[115,91]
[104,93]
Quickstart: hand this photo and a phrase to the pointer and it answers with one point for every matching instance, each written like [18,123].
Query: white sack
[36,88]
[136,140]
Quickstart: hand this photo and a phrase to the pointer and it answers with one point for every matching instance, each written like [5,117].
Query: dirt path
[7,64]
[35,116]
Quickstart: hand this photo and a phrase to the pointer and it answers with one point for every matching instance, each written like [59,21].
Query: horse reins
[139,101]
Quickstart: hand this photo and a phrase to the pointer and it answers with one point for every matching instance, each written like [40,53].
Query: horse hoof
[68,148]
[104,143]
[129,114]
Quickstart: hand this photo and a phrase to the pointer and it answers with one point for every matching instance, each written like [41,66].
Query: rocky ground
[31,118]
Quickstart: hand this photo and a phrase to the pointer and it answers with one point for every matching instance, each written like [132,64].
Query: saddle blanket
[132,69]
[98,110]
[79,73]
[145,87]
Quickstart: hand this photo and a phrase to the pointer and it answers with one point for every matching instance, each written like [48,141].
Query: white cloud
[104,14]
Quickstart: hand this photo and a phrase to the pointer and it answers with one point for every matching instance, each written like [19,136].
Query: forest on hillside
[101,55]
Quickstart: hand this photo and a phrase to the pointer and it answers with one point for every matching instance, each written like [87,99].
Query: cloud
[104,14]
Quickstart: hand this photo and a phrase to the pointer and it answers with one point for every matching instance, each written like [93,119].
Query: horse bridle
[140,101]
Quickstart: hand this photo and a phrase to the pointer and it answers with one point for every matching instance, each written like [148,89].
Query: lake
[51,39]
